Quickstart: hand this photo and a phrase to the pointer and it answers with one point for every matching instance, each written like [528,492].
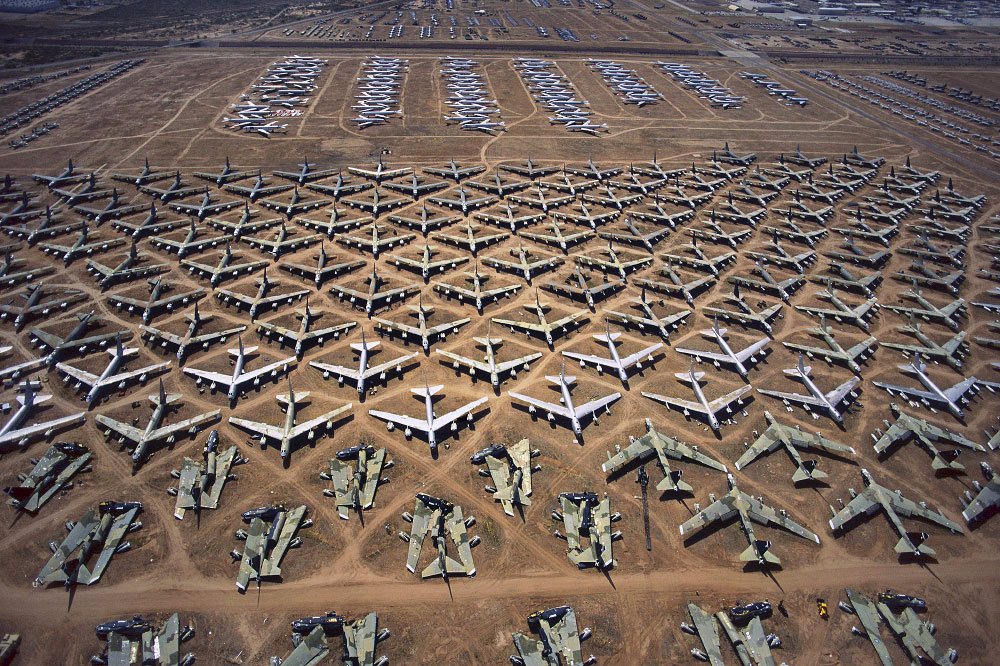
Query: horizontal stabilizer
[428,391]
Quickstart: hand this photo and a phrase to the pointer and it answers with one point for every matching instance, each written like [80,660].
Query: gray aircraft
[525,265]
[748,638]
[748,510]
[207,206]
[649,320]
[856,315]
[907,428]
[705,408]
[260,188]
[38,299]
[51,473]
[584,516]
[635,236]
[83,246]
[175,190]
[510,469]
[949,315]
[323,270]
[284,436]
[621,366]
[835,353]
[697,259]
[510,219]
[577,287]
[145,175]
[738,360]
[839,276]
[271,535]
[361,375]
[564,241]
[544,326]
[783,289]
[675,285]
[227,174]
[305,335]
[986,502]
[475,293]
[225,268]
[875,498]
[355,487]
[951,351]
[789,230]
[191,337]
[489,365]
[11,373]
[779,256]
[792,439]
[75,341]
[262,299]
[200,482]
[155,432]
[953,398]
[529,170]
[246,224]
[541,200]
[826,403]
[707,630]
[111,376]
[193,242]
[422,332]
[431,423]
[281,241]
[375,203]
[375,298]
[134,266]
[416,187]
[157,302]
[614,264]
[427,265]
[745,314]
[150,225]
[241,380]
[471,240]
[306,174]
[859,605]
[565,409]
[559,641]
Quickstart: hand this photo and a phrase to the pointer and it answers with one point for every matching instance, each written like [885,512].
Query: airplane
[909,428]
[99,533]
[614,263]
[792,439]
[156,302]
[615,363]
[560,639]
[827,403]
[510,469]
[543,326]
[540,200]
[953,398]
[591,170]
[454,172]
[782,257]
[308,651]
[150,225]
[748,638]
[224,269]
[676,285]
[584,516]
[714,233]
[305,336]
[376,202]
[200,482]
[430,424]
[987,500]
[706,629]
[378,239]
[477,294]
[206,207]
[128,269]
[697,259]
[611,200]
[499,185]
[49,475]
[566,409]
[703,406]
[425,223]
[728,356]
[440,518]
[10,277]
[928,311]
[842,312]
[427,514]
[188,245]
[374,297]
[416,186]
[175,190]
[470,241]
[295,205]
[111,210]
[529,170]
[355,487]
[925,249]
[67,176]
[862,229]
[663,326]
[144,176]
[835,353]
[380,172]
[796,234]
[422,331]
[867,613]
[461,201]
[928,277]
[135,636]
[226,174]
[340,187]
[260,188]
[364,371]
[285,435]
[876,498]
[577,287]
[82,247]
[59,298]
[727,155]
[86,191]
[262,299]
[246,223]
[915,634]
[489,365]
[239,381]
[426,264]
[524,265]
[11,373]
[843,278]
[558,238]
[191,337]
[271,535]
[281,242]
[110,376]
[767,283]
[22,212]
[635,236]
[46,229]
[951,351]
[581,215]
[748,510]
[658,215]
[306,173]
[337,224]
[16,434]
[509,219]
[663,448]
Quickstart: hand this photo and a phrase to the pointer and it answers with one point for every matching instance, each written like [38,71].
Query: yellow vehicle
[824,611]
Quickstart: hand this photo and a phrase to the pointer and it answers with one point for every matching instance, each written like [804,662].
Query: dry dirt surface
[170,111]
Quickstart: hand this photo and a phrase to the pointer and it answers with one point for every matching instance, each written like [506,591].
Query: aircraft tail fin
[807,471]
[672,482]
[759,551]
[946,460]
[912,543]
[428,391]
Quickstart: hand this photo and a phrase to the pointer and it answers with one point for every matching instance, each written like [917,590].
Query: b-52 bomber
[375,203]
[291,431]
[948,315]
[355,487]
[926,276]
[950,352]
[489,365]
[360,638]
[675,286]
[729,357]
[663,448]
[74,340]
[364,372]
[461,201]
[510,219]
[157,302]
[154,432]
[499,185]
[540,200]
[50,227]
[133,267]
[510,469]
[987,500]
[825,403]
[295,205]
[323,270]
[792,439]
[22,212]
[246,224]
[470,240]
[558,643]
[544,326]
[305,336]
[908,428]
[150,225]
[416,187]
[842,313]
[953,398]
[225,269]
[835,353]
[789,230]
[585,517]
[615,363]
[441,519]
[530,170]
[16,434]
[695,258]
[374,299]
[306,174]
[50,474]
[839,276]
[783,289]
[281,242]
[207,206]
[656,214]
[380,172]
[241,380]
[190,244]
[175,190]
[557,238]
[635,236]
[422,332]
[271,534]
[382,237]
[581,215]
[227,174]
[191,337]
[705,408]
[134,638]
[427,264]
[748,510]
[614,263]
[430,424]
[142,177]
[98,533]
[58,298]
[648,320]
[83,246]
[425,222]
[875,498]
[260,188]
[476,295]
[262,299]
[779,256]
[524,266]
[200,482]
[577,287]
[577,416]
[112,376]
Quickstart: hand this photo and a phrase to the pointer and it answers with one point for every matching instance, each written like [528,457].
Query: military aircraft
[190,244]
[226,174]
[541,200]
[489,365]
[675,285]
[558,643]
[375,298]
[524,266]
[207,206]
[948,315]
[281,242]
[150,225]
[875,498]
[424,333]
[225,269]
[577,287]
[308,651]
[663,448]
[191,337]
[46,229]
[416,187]
[431,423]
[375,203]
[557,238]
[246,224]
[144,176]
[793,232]
[915,634]
[99,533]
[950,352]
[355,487]
[697,259]
[82,193]
[471,240]
[707,630]
[510,469]
[529,169]
[83,246]
[585,517]
[133,267]
[867,613]
[294,205]
[16,433]
[655,213]
[663,326]
[110,377]
[566,409]
[779,256]
[747,509]
[157,302]
[856,315]
[907,428]
[305,335]
[306,173]
[262,299]
[155,432]
[839,276]
[323,270]
[707,409]
[953,398]
[635,236]
[461,201]
[241,380]
[930,278]
[271,534]
[50,474]
[857,255]
[614,263]
[67,176]
[767,283]
[380,172]
[564,183]
[427,264]
[544,326]
[175,190]
[442,520]
[835,353]
[582,215]
[477,295]
[615,363]
[499,185]
[827,403]
[382,237]
[285,435]
[752,645]
[985,503]
[260,188]
[728,356]
[200,482]
[12,373]
[923,248]
[134,637]
[74,340]
[792,439]
[57,298]
[364,371]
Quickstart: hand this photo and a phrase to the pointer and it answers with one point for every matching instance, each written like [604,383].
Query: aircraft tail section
[807,471]
[428,391]
[912,543]
[758,551]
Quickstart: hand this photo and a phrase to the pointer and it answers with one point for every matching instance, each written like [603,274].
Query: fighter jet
[620,366]
[792,439]
[133,267]
[99,533]
[729,357]
[663,448]
[489,365]
[155,432]
[577,416]
[908,428]
[207,206]
[867,613]
[305,336]
[271,534]
[748,510]
[83,246]
[675,285]
[951,351]
[225,269]
[557,238]
[577,287]
[510,469]
[306,173]
[375,298]
[424,333]
[663,326]
[50,474]
[471,240]
[875,498]
[524,265]
[16,433]
[835,352]
[380,172]
[703,406]
[241,380]
[112,376]
[544,326]
[262,298]
[355,487]
[381,237]
[144,176]
[558,643]
[953,398]
[948,315]
[986,502]
[827,404]
[430,424]
[360,375]
[856,315]
[585,517]
[157,302]
[476,295]
[75,340]
[200,482]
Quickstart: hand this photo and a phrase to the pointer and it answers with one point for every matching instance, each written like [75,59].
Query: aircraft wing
[166,431]
[606,363]
[908,391]
[311,651]
[448,326]
[862,504]
[210,376]
[132,374]
[906,507]
[454,415]
[541,404]
[130,433]
[956,392]
[767,442]
[712,355]
[119,529]
[401,420]
[502,263]
[81,376]
[264,429]
[190,474]
[722,402]
[506,366]
[677,403]
[793,397]
[567,320]
[52,571]
[744,355]
[638,356]
[719,510]
[48,339]
[524,325]
[311,424]
[466,361]
[838,394]
[281,365]
[26,433]
[272,564]
[765,515]
[868,616]
[594,405]
[252,552]
[708,632]
[816,441]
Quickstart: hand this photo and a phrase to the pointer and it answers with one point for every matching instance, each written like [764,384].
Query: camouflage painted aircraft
[559,642]
[510,469]
[584,516]
[908,428]
[792,439]
[270,536]
[355,487]
[53,472]
[200,482]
